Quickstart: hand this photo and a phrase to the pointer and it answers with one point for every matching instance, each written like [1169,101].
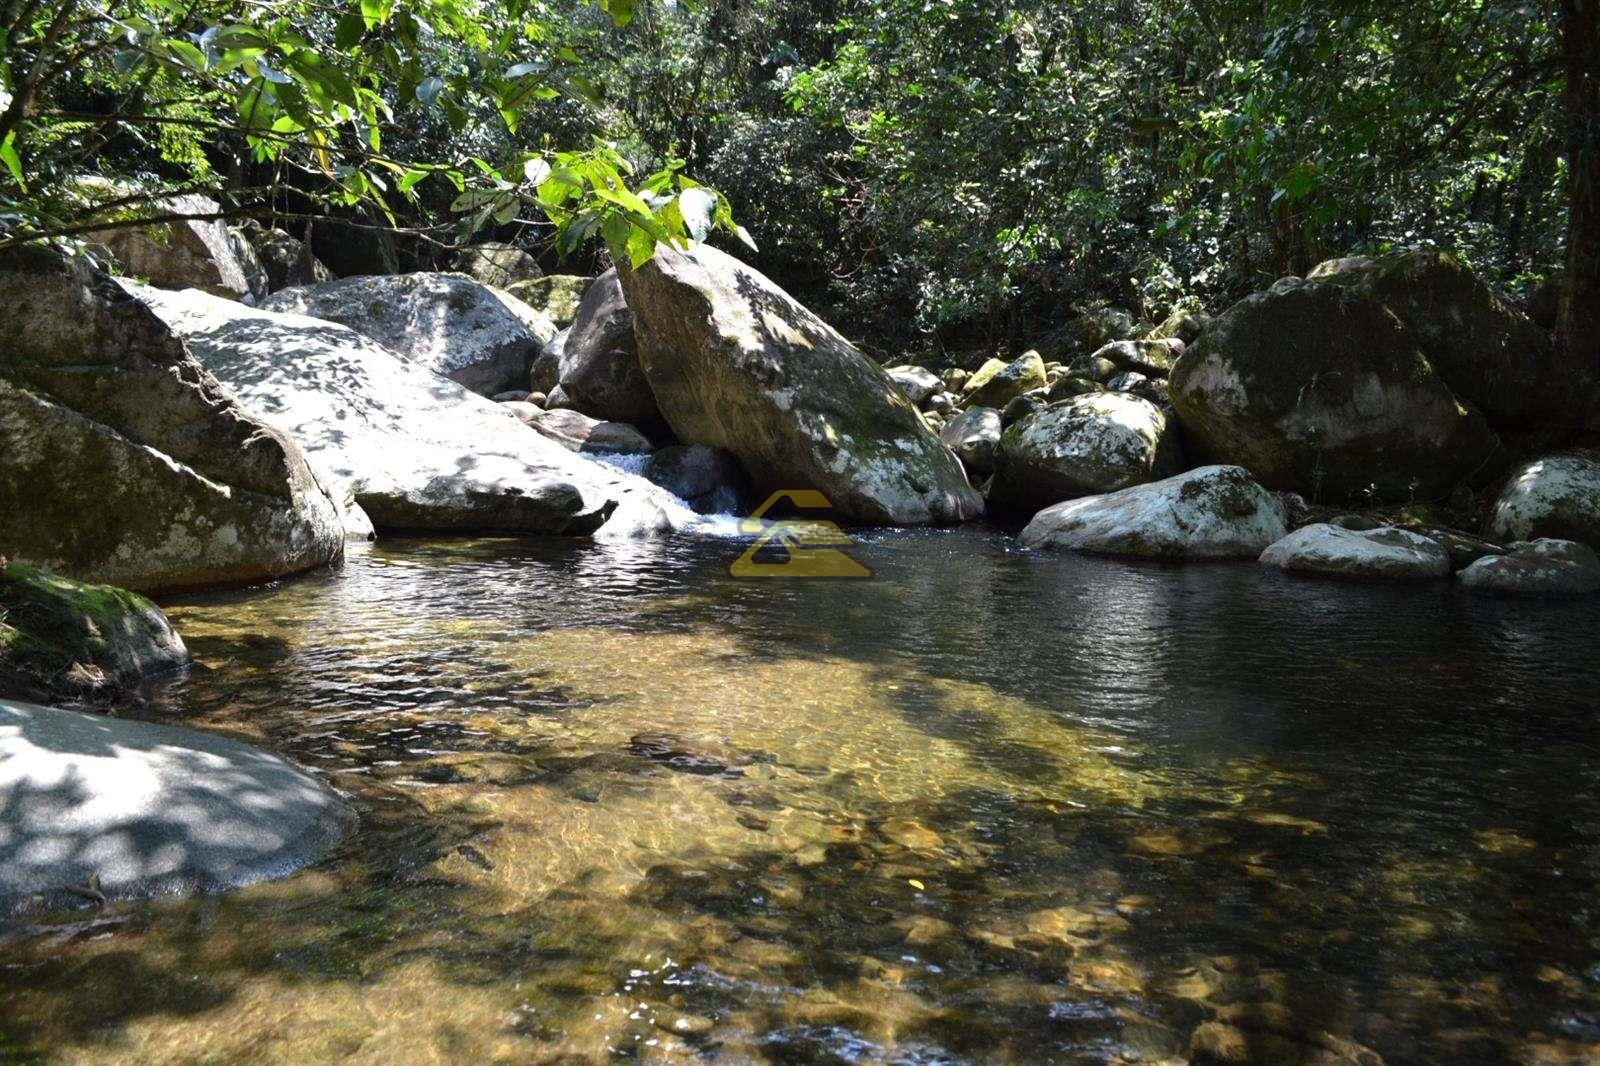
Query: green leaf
[351,28]
[12,160]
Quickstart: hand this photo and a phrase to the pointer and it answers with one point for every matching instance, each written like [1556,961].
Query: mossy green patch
[56,634]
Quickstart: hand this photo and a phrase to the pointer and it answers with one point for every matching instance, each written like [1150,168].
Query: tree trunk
[1578,331]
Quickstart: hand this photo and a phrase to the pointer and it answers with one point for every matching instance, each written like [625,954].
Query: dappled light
[614,801]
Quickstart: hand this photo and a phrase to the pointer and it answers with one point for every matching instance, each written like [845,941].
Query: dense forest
[936,176]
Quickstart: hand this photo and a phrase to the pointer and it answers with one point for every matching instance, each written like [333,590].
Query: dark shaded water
[986,806]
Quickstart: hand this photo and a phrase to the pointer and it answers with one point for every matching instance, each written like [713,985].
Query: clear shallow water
[987,806]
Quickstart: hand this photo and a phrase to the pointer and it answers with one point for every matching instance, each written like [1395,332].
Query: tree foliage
[929,172]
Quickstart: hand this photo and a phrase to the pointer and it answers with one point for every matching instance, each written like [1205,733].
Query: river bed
[984,806]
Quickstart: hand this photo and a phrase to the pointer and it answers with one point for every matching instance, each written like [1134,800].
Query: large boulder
[123,461]
[1319,389]
[191,253]
[737,363]
[1488,352]
[65,638]
[285,261]
[1085,446]
[104,809]
[1544,567]
[472,334]
[1557,496]
[599,363]
[974,435]
[556,296]
[1375,554]
[1214,512]
[497,264]
[410,449]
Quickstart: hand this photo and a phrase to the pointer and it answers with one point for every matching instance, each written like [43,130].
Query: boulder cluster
[229,412]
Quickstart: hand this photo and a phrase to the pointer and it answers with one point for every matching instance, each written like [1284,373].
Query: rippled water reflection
[988,806]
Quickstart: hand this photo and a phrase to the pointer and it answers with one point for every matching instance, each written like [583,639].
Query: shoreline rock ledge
[109,809]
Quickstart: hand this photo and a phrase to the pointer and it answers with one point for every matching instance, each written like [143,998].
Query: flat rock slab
[147,810]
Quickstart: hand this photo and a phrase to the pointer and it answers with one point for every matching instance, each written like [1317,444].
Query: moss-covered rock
[1543,567]
[63,638]
[997,383]
[1082,447]
[1152,358]
[1386,554]
[122,460]
[1319,389]
[556,296]
[737,363]
[1488,352]
[1183,324]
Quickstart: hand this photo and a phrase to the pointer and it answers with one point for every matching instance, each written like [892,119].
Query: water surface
[987,806]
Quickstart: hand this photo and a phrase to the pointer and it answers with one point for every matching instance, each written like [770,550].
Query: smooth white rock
[1213,512]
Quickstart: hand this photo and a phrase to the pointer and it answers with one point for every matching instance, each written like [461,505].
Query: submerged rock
[123,461]
[476,336]
[1214,512]
[105,809]
[737,363]
[1333,551]
[406,446]
[1544,567]
[1318,388]
[1081,447]
[1557,496]
[598,362]
[974,435]
[61,638]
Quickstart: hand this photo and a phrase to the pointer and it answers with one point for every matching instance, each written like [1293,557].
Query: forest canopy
[929,173]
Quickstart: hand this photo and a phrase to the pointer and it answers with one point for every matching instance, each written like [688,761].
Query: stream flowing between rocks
[986,806]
